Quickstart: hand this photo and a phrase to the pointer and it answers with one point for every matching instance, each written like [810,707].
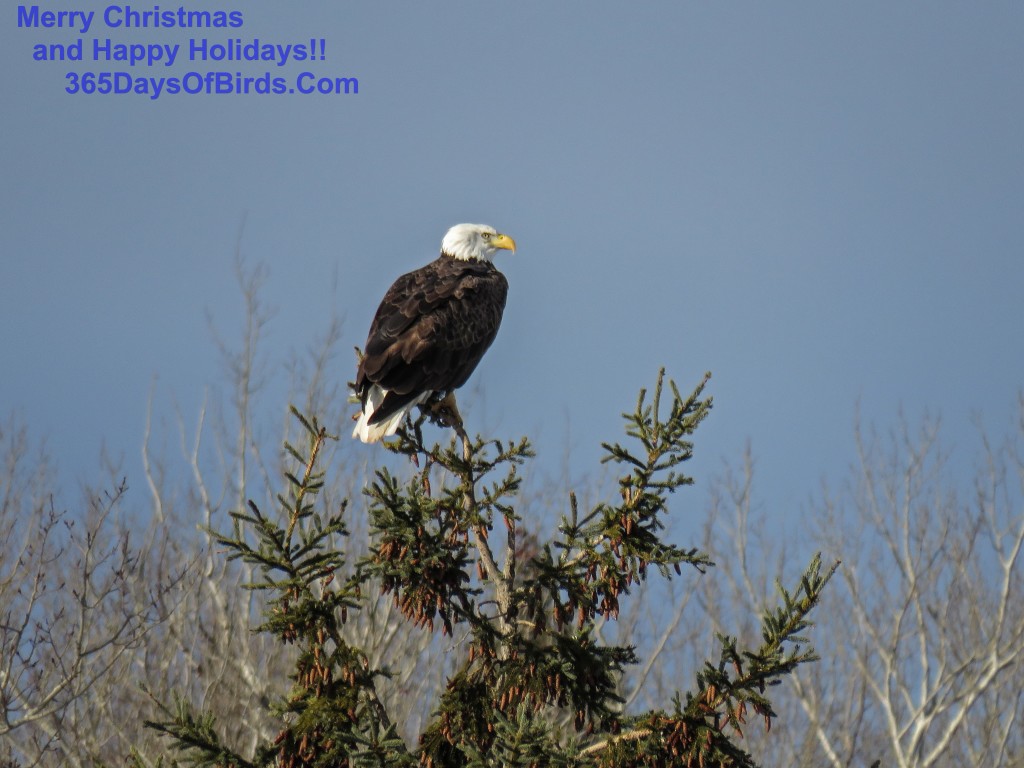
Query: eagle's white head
[475,241]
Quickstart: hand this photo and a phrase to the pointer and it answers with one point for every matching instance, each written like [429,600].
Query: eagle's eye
[486,235]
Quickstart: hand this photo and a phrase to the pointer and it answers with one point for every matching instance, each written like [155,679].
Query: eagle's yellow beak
[503,241]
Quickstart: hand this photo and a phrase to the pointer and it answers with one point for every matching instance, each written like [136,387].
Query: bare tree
[923,640]
[71,615]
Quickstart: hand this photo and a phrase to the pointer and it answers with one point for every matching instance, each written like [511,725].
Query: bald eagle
[431,329]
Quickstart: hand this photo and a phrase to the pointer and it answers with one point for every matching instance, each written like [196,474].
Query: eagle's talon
[445,412]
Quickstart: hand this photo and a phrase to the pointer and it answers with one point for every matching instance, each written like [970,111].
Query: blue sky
[821,203]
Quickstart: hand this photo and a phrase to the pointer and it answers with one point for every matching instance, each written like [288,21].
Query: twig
[639,733]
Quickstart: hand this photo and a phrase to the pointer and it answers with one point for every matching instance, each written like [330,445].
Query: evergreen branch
[725,690]
[196,737]
[319,434]
[603,555]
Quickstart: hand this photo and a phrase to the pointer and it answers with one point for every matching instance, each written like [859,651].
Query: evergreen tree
[536,686]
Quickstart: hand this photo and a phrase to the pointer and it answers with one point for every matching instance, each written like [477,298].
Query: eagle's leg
[446,412]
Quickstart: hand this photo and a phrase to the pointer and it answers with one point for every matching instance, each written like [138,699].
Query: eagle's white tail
[371,433]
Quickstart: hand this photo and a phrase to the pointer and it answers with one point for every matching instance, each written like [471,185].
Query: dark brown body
[430,331]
